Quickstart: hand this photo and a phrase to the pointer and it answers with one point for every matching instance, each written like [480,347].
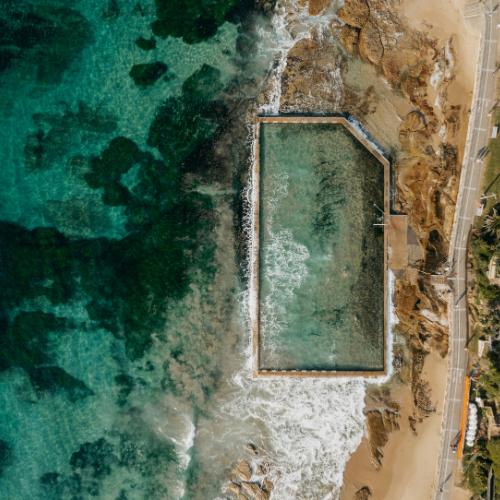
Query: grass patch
[476,333]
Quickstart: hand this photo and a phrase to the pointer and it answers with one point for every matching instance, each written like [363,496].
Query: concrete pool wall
[255,257]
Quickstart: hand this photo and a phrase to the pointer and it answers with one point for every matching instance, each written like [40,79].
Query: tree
[492,224]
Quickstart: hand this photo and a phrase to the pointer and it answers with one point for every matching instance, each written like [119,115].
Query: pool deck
[254,282]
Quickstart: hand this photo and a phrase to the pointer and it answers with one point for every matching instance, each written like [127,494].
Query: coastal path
[465,211]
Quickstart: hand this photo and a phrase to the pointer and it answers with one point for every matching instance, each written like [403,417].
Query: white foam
[308,427]
[284,266]
[280,40]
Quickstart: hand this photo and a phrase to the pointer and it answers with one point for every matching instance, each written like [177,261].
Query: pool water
[321,256]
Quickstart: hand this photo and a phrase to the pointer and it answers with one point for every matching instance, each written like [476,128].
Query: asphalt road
[466,210]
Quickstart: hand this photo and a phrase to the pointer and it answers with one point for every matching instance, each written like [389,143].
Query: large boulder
[234,488]
[316,7]
[242,470]
[363,494]
[251,489]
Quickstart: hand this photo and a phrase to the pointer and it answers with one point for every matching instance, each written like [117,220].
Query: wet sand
[409,463]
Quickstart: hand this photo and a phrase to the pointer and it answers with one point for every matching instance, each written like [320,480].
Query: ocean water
[125,145]
[322,258]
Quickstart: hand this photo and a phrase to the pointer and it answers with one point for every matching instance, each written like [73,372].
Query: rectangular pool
[321,280]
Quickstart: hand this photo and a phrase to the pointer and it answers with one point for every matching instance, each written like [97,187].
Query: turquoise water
[117,194]
[322,267]
[125,368]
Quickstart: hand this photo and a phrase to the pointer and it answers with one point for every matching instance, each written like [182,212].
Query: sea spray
[308,428]
[280,40]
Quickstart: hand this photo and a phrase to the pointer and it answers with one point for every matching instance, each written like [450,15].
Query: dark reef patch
[111,11]
[45,147]
[52,379]
[138,456]
[46,36]
[6,456]
[144,44]
[147,74]
[25,343]
[193,20]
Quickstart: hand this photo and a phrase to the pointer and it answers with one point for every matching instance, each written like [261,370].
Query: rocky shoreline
[424,137]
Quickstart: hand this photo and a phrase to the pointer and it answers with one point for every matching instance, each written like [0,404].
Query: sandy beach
[409,463]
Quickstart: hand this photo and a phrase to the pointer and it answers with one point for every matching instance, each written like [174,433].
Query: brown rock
[252,449]
[363,494]
[263,495]
[423,400]
[390,421]
[316,7]
[370,44]
[413,425]
[379,425]
[267,484]
[242,470]
[349,37]
[241,497]
[354,12]
[414,121]
[312,66]
[251,489]
[234,488]
[261,471]
[377,436]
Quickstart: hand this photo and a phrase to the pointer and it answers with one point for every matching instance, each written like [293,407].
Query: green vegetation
[144,44]
[193,20]
[485,454]
[476,333]
[476,469]
[483,249]
[147,74]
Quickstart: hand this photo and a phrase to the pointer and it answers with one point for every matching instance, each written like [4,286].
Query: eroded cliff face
[371,55]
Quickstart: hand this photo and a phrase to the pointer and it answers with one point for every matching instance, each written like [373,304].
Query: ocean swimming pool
[321,280]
